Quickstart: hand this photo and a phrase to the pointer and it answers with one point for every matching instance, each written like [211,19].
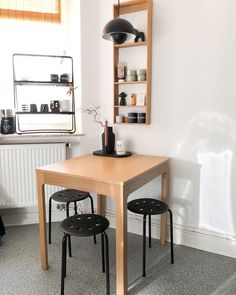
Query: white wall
[193,110]
[90,75]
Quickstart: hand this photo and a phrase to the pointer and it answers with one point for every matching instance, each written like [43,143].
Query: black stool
[148,206]
[67,196]
[85,225]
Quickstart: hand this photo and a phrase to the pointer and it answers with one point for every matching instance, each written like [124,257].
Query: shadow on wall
[206,182]
[184,191]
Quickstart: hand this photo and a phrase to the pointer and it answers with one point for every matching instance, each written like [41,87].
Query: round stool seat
[84,225]
[147,206]
[69,195]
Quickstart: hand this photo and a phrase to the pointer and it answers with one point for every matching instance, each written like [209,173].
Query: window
[37,10]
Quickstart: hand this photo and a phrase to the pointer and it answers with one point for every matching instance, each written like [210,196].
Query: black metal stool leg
[107,263]
[65,255]
[144,245]
[69,238]
[49,220]
[103,256]
[67,209]
[63,263]
[75,208]
[150,232]
[92,211]
[171,237]
[69,245]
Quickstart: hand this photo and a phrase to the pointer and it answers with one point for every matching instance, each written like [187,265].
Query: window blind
[36,10]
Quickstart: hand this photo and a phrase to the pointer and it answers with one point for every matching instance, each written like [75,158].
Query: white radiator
[18,184]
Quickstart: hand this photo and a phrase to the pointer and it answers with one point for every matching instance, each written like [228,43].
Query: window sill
[39,137]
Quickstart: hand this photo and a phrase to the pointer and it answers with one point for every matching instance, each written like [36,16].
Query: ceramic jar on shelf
[131,75]
[141,75]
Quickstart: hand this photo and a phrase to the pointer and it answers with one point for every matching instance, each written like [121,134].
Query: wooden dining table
[107,177]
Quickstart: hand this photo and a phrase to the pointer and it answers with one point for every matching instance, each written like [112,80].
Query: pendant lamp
[118,29]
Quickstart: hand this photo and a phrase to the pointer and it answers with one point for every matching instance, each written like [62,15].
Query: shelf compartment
[126,123]
[46,113]
[128,45]
[33,131]
[42,83]
[127,106]
[132,6]
[130,82]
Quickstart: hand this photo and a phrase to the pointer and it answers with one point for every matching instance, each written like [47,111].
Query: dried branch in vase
[97,117]
[108,137]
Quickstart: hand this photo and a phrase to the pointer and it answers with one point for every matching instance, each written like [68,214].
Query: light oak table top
[107,169]
[106,176]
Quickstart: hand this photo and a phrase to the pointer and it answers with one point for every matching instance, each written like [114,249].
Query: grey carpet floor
[194,272]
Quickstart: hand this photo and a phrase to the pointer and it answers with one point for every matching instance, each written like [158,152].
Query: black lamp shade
[118,30]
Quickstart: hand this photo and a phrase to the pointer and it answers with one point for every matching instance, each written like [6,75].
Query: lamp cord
[118,8]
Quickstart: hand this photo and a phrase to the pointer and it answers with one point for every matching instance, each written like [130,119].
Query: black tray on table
[113,155]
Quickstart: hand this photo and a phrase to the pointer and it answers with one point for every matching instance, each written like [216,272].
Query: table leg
[42,226]
[101,204]
[164,198]
[121,245]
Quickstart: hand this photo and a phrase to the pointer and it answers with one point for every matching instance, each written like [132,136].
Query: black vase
[110,148]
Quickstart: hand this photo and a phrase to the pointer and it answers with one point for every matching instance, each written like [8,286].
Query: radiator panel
[18,184]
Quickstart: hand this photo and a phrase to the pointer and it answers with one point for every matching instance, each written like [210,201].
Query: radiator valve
[61,207]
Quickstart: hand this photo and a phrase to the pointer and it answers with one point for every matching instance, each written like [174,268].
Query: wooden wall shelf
[133,44]
[134,6]
[128,106]
[130,82]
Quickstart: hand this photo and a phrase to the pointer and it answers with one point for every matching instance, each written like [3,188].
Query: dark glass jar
[141,118]
[8,125]
[132,117]
[110,148]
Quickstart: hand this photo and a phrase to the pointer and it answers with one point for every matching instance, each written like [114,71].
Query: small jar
[54,78]
[119,119]
[141,75]
[131,75]
[141,118]
[8,122]
[120,147]
[121,72]
[132,99]
[1,116]
[132,117]
[64,78]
